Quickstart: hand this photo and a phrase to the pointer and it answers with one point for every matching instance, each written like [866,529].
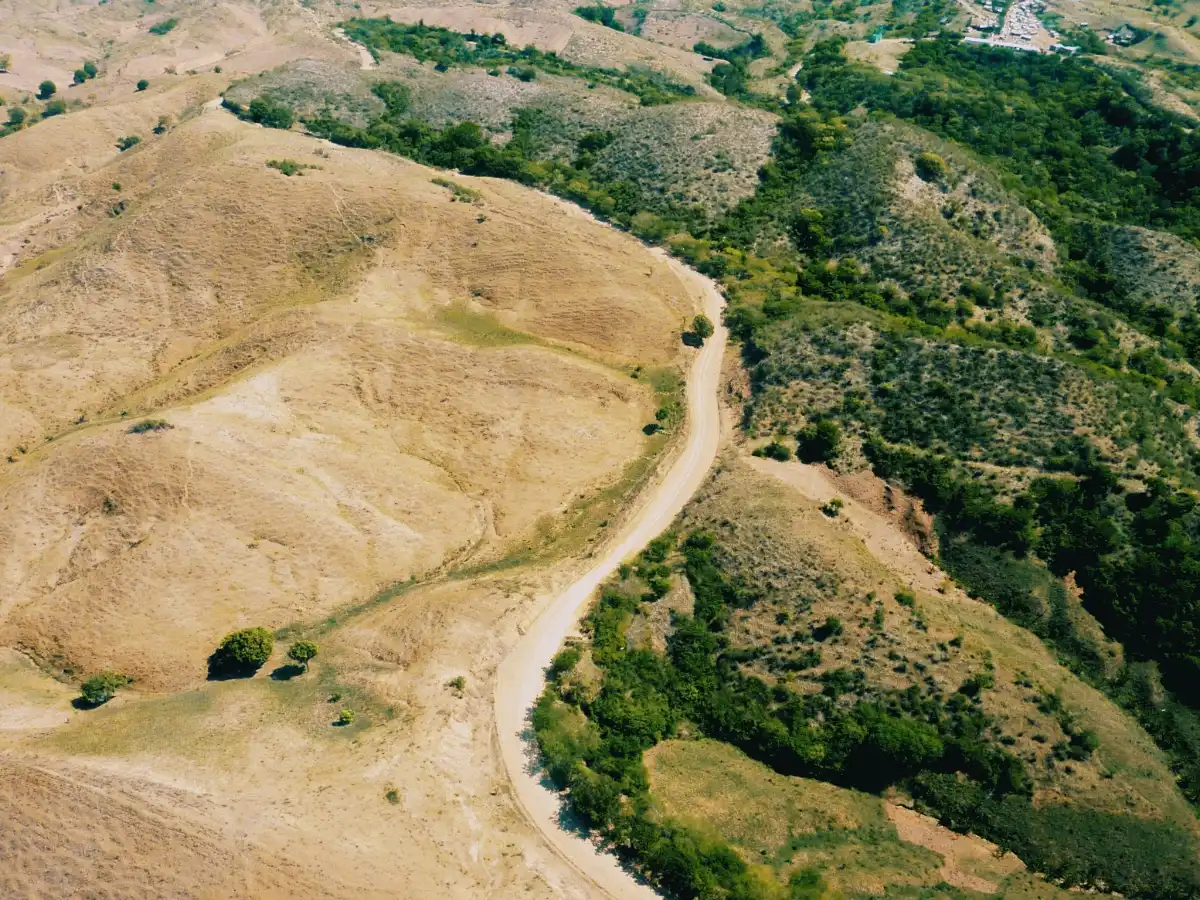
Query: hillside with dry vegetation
[338,342]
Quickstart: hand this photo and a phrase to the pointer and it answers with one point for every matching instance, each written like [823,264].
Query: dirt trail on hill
[521,676]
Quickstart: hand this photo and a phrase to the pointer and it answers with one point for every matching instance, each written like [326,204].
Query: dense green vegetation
[241,653]
[601,15]
[942,748]
[450,48]
[1074,140]
[753,47]
[525,158]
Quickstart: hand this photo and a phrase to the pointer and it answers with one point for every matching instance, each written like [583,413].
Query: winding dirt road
[521,676]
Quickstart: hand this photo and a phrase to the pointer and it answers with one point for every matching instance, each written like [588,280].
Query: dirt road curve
[520,679]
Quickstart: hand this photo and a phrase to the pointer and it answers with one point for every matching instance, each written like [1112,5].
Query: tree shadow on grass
[287,672]
[222,668]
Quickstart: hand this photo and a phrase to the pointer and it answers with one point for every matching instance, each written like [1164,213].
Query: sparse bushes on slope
[46,90]
[450,48]
[850,734]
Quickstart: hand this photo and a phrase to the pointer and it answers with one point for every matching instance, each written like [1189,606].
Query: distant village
[1021,27]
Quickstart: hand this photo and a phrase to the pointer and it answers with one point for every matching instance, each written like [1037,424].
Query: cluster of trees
[86,72]
[449,48]
[467,147]
[265,111]
[1136,555]
[245,651]
[940,747]
[601,15]
[1075,140]
[752,48]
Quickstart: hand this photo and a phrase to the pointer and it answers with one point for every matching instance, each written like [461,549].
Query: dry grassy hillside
[354,380]
[357,371]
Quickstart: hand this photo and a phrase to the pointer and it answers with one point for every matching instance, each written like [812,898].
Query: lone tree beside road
[702,330]
[241,654]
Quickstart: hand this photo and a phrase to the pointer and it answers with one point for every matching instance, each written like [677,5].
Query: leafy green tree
[80,76]
[819,441]
[142,84]
[47,89]
[101,688]
[270,114]
[302,652]
[703,326]
[54,108]
[242,652]
[90,70]
[131,140]
[16,116]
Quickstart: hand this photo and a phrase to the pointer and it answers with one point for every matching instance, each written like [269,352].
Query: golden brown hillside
[364,379]
[251,378]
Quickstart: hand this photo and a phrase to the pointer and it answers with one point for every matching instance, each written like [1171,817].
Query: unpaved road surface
[521,676]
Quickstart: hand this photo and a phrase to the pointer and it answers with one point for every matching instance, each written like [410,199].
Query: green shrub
[345,717]
[90,70]
[270,114]
[774,450]
[46,90]
[142,84]
[131,140]
[101,688]
[54,108]
[302,652]
[564,661]
[819,441]
[833,507]
[149,425]
[288,167]
[242,653]
[931,167]
[16,116]
[164,26]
